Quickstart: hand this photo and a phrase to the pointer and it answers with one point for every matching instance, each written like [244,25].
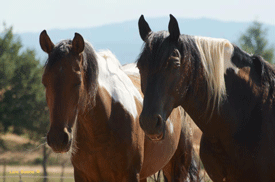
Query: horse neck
[92,124]
[241,83]
[92,120]
[196,105]
[197,102]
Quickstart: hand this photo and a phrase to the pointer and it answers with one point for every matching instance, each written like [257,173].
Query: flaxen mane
[215,56]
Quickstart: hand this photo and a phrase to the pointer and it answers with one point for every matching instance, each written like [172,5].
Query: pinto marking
[116,82]
[171,126]
[131,69]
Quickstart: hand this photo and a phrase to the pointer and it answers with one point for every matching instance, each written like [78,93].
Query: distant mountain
[124,41]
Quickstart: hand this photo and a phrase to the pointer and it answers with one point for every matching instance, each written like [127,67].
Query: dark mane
[240,58]
[89,67]
[267,73]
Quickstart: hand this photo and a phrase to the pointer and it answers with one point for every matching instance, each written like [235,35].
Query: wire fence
[28,178]
[34,174]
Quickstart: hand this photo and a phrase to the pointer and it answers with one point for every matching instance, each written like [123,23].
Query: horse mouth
[61,148]
[156,137]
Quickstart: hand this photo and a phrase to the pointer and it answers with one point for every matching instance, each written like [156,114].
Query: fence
[34,174]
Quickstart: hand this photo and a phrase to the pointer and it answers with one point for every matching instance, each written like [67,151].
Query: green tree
[254,41]
[22,98]
[9,48]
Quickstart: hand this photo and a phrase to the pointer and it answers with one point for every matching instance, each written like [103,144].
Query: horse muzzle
[59,140]
[153,126]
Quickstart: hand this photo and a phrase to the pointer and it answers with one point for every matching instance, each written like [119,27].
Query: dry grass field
[34,173]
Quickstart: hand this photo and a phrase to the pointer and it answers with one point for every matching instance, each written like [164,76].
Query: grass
[34,174]
[53,177]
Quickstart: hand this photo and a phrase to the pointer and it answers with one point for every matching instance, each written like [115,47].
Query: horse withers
[227,92]
[94,112]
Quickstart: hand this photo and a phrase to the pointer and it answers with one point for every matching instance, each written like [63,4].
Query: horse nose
[151,124]
[58,140]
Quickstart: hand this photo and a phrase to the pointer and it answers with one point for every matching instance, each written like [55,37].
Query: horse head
[159,65]
[63,80]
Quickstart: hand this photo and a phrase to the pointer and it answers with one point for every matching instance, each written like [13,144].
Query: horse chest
[107,164]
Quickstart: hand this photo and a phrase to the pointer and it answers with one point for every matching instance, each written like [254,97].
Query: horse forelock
[88,67]
[215,56]
[59,51]
[154,52]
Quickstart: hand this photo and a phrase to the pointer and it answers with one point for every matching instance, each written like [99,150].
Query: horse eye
[176,63]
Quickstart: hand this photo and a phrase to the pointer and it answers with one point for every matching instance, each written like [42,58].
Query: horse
[227,92]
[94,105]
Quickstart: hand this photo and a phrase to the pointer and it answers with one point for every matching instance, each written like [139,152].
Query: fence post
[62,171]
[4,170]
[20,180]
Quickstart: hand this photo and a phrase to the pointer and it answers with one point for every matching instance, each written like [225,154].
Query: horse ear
[173,28]
[45,42]
[78,43]
[144,28]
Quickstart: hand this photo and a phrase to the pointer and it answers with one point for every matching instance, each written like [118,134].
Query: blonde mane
[216,58]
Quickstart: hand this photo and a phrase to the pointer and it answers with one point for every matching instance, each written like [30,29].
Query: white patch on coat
[171,126]
[116,82]
[131,69]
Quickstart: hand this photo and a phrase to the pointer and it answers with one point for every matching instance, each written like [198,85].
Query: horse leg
[178,167]
[212,164]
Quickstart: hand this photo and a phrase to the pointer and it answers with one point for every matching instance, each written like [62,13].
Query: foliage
[22,100]
[254,41]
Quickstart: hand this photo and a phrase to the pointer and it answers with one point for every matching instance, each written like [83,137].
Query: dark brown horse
[228,93]
[94,111]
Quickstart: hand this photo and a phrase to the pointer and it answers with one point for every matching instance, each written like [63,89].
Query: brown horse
[94,111]
[228,93]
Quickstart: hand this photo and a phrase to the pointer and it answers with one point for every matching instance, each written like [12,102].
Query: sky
[37,15]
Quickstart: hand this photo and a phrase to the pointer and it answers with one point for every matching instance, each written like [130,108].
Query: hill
[124,41]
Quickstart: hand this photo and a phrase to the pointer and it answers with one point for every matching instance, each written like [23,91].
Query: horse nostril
[159,121]
[66,138]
